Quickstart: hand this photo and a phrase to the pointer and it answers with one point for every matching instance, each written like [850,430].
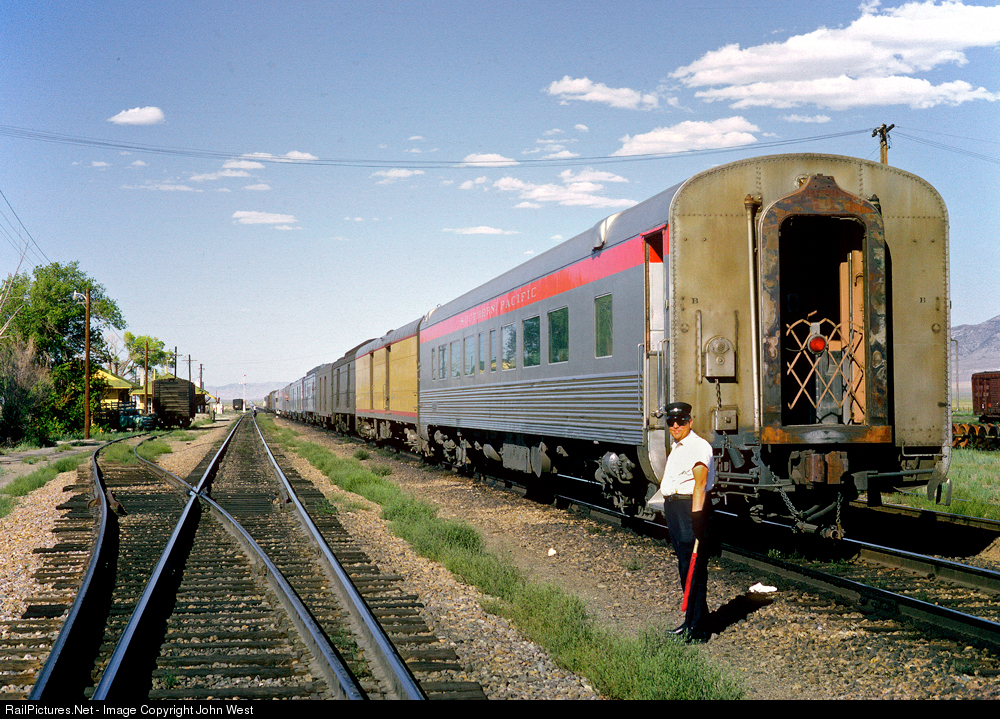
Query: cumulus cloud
[487,160]
[208,177]
[585,90]
[293,156]
[394,175]
[243,165]
[469,184]
[247,217]
[872,61]
[481,230]
[581,189]
[138,116]
[162,187]
[690,135]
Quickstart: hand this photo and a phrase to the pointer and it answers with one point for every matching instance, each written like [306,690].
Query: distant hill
[255,391]
[978,350]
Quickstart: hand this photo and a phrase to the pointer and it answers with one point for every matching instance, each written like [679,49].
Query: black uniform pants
[677,512]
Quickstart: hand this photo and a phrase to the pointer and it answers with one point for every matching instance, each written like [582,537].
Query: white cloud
[481,230]
[581,189]
[98,163]
[243,165]
[585,90]
[561,155]
[162,187]
[216,175]
[394,175]
[581,128]
[138,163]
[293,156]
[469,184]
[690,135]
[487,160]
[869,62]
[806,118]
[247,217]
[260,186]
[138,116]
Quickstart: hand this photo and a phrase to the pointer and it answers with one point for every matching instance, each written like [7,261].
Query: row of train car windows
[500,349]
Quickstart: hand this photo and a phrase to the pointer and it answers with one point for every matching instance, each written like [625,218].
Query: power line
[368,163]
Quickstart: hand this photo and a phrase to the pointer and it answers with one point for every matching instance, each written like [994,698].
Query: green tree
[25,388]
[41,314]
[44,312]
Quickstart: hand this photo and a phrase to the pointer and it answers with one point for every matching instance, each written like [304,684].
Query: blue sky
[265,185]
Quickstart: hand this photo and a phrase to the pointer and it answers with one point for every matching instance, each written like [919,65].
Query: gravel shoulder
[790,648]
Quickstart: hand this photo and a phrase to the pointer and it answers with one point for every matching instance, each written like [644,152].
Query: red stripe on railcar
[604,264]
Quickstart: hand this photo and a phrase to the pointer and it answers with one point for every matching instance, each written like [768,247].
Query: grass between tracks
[652,666]
[30,482]
[975,477]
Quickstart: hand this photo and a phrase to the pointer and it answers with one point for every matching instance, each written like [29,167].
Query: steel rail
[954,572]
[384,653]
[897,606]
[339,677]
[112,680]
[61,665]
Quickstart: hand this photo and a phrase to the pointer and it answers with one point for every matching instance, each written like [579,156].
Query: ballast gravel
[793,646]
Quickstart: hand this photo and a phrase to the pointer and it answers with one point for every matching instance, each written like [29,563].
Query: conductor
[687,480]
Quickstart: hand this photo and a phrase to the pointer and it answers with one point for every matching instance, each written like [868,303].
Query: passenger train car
[798,302]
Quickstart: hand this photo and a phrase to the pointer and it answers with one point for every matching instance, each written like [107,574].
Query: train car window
[509,347]
[434,365]
[494,350]
[559,335]
[482,352]
[442,361]
[603,328]
[456,359]
[470,355]
[532,342]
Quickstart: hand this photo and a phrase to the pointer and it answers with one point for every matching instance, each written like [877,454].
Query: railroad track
[206,624]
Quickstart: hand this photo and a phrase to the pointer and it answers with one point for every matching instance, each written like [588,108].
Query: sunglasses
[673,421]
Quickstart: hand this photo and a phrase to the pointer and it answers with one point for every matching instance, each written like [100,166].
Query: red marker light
[817,344]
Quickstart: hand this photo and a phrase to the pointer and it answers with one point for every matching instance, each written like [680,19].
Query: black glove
[699,523]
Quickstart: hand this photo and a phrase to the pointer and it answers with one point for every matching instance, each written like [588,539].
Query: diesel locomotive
[798,302]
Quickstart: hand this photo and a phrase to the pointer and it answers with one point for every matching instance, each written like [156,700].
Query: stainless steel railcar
[798,302]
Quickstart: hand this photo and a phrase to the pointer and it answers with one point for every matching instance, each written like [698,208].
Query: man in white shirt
[687,480]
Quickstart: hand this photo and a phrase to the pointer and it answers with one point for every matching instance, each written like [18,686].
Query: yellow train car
[387,387]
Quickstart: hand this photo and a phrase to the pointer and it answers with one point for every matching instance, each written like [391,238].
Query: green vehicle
[133,419]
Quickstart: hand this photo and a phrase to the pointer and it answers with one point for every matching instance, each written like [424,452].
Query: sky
[266,185]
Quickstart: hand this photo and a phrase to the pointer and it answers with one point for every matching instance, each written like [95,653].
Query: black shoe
[682,629]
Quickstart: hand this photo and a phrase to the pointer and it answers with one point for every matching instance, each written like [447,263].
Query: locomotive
[798,302]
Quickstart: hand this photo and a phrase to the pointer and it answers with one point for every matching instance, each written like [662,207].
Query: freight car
[174,402]
[798,302]
[986,396]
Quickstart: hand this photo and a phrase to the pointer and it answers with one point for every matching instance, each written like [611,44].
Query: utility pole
[883,135]
[175,360]
[145,386]
[86,374]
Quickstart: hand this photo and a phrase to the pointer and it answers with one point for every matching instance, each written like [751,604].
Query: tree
[51,319]
[42,316]
[25,387]
[128,356]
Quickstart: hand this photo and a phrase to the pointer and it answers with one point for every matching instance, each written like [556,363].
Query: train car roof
[391,336]
[615,229]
